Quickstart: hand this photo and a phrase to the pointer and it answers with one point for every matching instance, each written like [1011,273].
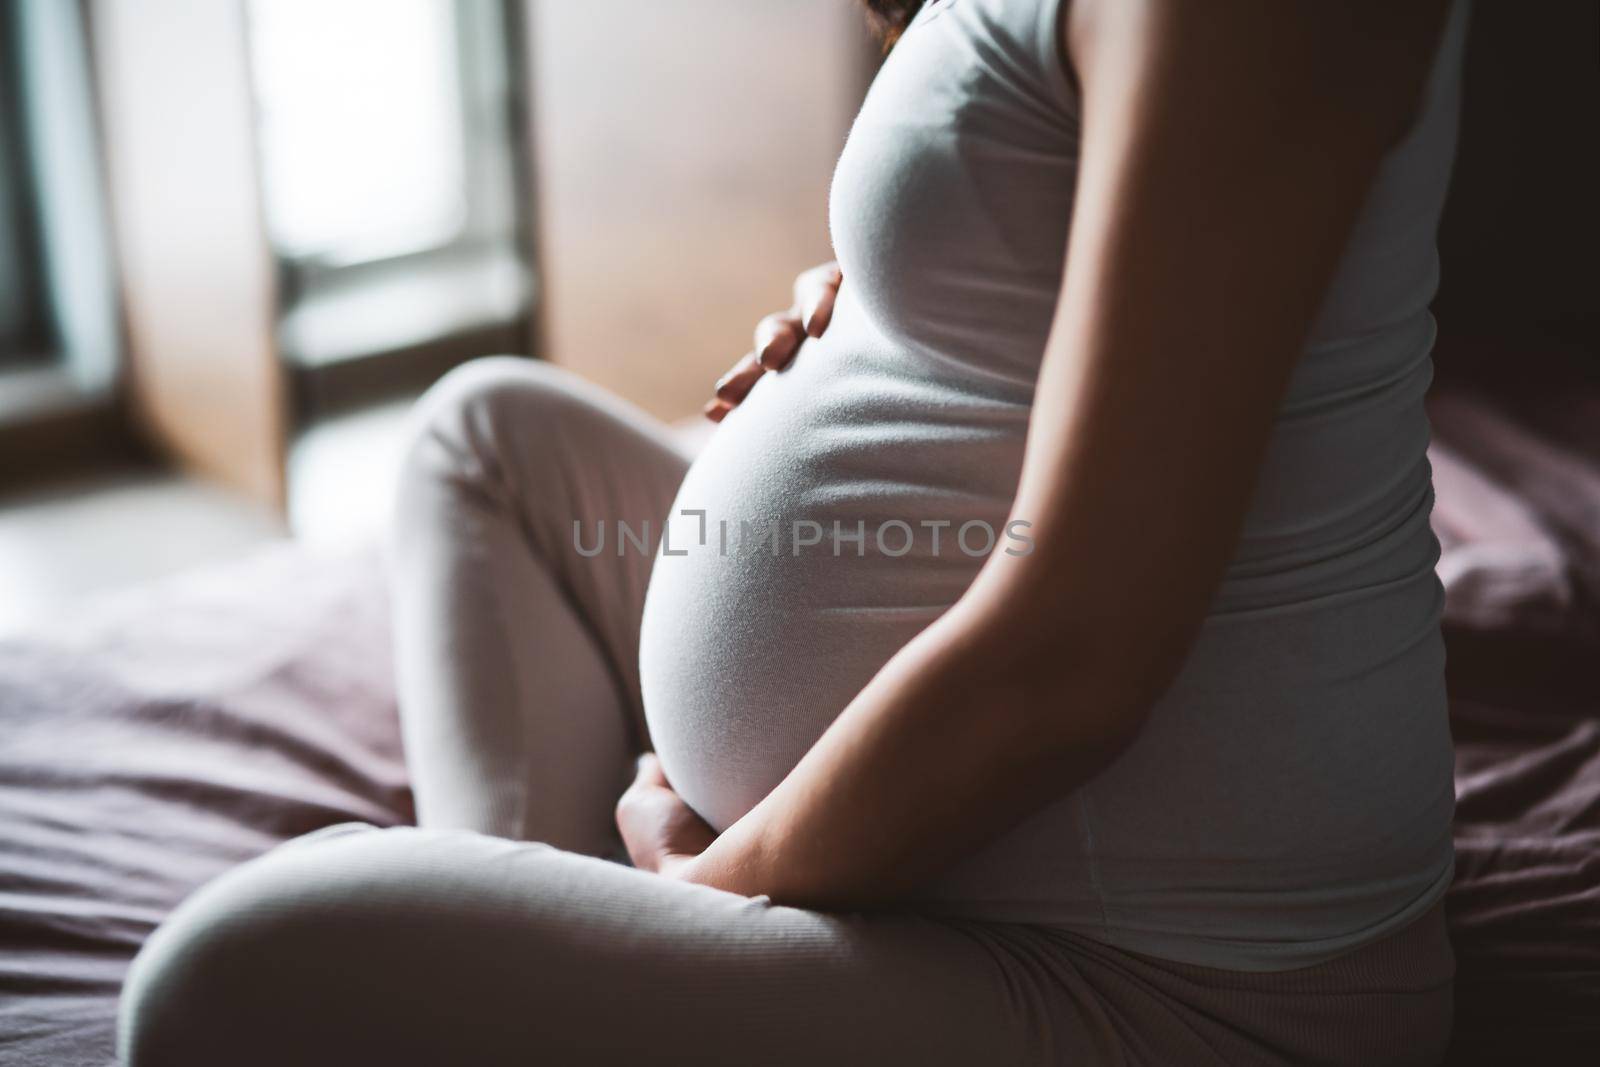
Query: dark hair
[889,18]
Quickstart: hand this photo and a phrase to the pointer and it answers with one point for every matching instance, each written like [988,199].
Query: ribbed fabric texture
[417,947]
[1387,1003]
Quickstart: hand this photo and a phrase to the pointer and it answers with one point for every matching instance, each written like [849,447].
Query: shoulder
[1020,39]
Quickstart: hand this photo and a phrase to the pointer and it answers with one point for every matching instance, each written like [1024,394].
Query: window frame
[489,248]
[24,333]
[62,405]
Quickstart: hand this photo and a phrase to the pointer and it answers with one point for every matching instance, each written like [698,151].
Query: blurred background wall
[1519,233]
[684,151]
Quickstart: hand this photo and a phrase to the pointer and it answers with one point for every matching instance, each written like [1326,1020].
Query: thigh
[516,643]
[410,946]
[517,457]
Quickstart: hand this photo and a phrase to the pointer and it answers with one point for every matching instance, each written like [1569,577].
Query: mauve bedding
[174,731]
[170,734]
[1517,473]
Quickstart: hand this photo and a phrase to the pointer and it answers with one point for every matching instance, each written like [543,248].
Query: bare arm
[1226,149]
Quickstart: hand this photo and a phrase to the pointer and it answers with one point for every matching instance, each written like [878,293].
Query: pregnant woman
[1042,661]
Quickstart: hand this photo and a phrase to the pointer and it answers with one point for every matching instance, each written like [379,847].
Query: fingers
[735,385]
[655,824]
[814,293]
[778,337]
[648,771]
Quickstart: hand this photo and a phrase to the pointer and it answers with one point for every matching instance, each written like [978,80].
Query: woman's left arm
[1226,151]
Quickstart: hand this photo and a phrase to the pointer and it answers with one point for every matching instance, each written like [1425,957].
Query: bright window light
[361,126]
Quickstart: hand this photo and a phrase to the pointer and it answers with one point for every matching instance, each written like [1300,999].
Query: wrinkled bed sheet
[176,730]
[1517,476]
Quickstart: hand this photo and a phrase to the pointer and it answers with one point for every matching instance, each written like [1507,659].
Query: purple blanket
[177,730]
[173,733]
[1517,472]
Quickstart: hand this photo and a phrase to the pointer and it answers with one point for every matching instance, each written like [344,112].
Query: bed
[173,731]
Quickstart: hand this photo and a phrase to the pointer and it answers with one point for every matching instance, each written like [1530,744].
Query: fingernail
[716,410]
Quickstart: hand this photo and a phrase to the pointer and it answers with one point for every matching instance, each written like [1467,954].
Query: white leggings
[464,942]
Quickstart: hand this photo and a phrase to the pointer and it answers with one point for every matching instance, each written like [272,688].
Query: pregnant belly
[821,530]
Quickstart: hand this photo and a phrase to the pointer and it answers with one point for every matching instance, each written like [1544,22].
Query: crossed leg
[520,702]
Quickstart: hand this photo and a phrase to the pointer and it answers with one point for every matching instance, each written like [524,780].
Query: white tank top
[1290,797]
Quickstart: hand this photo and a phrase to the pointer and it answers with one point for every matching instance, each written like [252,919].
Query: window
[361,138]
[58,314]
[388,171]
[21,333]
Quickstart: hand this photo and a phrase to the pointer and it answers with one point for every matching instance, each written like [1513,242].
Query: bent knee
[486,398]
[334,949]
[497,419]
[205,986]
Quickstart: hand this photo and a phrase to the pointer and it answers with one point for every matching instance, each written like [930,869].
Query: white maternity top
[1290,797]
